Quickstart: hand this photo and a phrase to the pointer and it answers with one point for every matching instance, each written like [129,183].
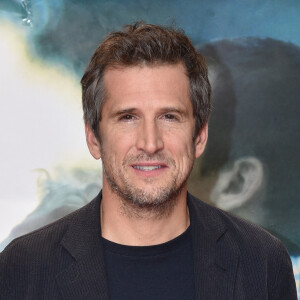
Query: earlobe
[92,142]
[201,140]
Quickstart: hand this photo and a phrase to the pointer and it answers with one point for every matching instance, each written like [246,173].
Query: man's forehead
[168,79]
[121,70]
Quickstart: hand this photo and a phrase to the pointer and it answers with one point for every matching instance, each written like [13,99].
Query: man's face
[146,133]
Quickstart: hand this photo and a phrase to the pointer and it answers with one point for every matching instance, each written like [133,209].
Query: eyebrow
[124,111]
[173,109]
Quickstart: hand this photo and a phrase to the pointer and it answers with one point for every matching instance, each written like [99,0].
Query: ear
[201,140]
[239,184]
[92,142]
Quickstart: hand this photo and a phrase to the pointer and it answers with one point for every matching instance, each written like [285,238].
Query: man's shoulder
[242,232]
[43,237]
[259,259]
[46,239]
[42,254]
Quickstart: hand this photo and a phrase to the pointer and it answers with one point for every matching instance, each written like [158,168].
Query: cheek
[119,150]
[117,141]
[185,145]
[183,151]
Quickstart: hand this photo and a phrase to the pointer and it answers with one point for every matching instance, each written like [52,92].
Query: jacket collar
[85,278]
[215,252]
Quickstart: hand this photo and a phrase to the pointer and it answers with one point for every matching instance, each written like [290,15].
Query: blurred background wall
[251,165]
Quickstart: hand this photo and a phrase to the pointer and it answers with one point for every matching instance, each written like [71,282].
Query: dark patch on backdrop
[256,108]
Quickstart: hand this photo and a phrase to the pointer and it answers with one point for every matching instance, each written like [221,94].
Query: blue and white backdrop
[251,165]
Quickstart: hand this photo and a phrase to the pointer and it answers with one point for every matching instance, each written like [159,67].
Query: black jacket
[233,259]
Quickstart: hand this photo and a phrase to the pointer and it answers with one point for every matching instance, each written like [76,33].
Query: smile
[147,168]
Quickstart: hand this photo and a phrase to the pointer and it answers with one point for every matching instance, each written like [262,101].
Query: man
[146,101]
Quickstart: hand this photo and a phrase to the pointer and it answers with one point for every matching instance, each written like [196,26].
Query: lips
[147,168]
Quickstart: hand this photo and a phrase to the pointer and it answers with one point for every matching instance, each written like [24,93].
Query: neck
[122,224]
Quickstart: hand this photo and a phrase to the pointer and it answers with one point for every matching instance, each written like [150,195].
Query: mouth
[148,167]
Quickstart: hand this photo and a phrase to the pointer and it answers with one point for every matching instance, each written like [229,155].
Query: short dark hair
[145,44]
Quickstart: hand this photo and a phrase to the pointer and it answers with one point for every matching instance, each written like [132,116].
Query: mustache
[144,157]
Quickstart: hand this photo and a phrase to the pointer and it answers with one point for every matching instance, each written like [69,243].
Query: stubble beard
[138,202]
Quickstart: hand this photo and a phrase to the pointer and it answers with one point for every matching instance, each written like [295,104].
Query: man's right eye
[126,117]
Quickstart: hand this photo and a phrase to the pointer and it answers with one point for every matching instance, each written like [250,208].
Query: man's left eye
[169,117]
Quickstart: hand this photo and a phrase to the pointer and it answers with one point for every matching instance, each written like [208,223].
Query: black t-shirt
[164,271]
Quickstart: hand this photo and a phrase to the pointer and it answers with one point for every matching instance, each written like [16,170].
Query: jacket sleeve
[284,287]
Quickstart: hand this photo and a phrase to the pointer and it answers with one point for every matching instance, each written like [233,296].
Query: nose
[149,138]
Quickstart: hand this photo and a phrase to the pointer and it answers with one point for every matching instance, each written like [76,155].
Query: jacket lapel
[85,278]
[215,253]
